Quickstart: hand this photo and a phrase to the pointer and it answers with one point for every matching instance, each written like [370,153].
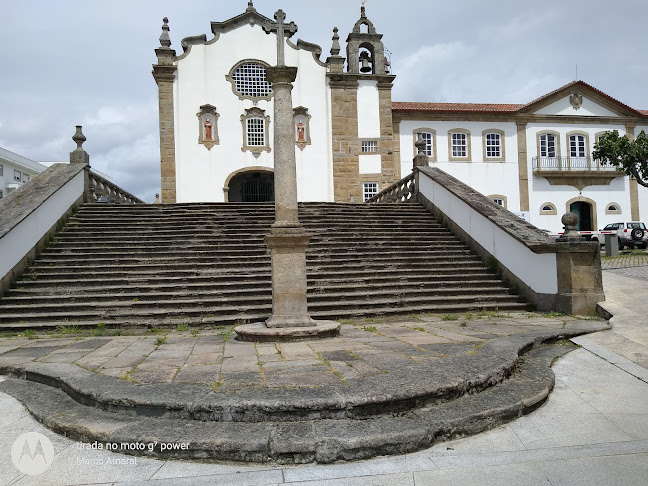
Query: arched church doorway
[583,210]
[251,186]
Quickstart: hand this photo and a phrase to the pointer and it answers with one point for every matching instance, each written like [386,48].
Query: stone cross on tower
[281,29]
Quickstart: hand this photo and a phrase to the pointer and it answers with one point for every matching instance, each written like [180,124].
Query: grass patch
[195,333]
[30,334]
[160,341]
[419,329]
[182,327]
[449,317]
[463,324]
[369,328]
[68,329]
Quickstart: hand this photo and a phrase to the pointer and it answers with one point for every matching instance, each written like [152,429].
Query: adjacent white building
[15,170]
[352,140]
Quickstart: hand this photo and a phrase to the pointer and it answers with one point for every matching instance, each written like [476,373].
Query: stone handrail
[554,276]
[401,191]
[31,215]
[102,190]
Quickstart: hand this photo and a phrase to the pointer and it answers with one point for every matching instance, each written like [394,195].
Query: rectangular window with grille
[369,190]
[493,145]
[369,146]
[547,145]
[17,175]
[429,147]
[459,145]
[255,132]
[577,146]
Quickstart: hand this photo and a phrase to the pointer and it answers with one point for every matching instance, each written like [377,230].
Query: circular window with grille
[249,80]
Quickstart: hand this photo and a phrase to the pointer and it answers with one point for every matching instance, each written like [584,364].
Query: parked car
[631,234]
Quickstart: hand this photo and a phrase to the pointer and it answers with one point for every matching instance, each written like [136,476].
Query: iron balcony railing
[570,164]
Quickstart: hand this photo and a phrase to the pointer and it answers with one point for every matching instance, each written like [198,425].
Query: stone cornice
[164,73]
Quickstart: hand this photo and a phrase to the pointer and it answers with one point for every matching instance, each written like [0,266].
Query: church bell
[365,67]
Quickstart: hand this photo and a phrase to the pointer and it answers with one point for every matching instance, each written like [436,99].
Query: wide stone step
[137,298]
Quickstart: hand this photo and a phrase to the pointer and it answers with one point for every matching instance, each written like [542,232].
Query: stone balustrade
[402,191]
[104,191]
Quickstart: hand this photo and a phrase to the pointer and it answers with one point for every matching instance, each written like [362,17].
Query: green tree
[629,156]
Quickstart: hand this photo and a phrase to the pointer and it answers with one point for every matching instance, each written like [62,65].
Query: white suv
[631,234]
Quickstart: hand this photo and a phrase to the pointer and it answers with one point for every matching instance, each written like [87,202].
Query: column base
[259,332]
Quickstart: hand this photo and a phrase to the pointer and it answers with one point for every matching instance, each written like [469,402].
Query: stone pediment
[578,99]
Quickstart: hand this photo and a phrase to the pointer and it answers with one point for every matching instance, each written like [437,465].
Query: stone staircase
[207,264]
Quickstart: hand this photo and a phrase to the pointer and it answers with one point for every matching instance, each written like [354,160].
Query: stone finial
[79,156]
[250,7]
[570,222]
[165,40]
[335,49]
[363,12]
[157,198]
[421,160]
[419,144]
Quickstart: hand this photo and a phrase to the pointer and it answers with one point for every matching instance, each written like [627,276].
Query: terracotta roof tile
[456,107]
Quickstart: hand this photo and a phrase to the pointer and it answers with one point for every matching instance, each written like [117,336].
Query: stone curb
[399,391]
[322,441]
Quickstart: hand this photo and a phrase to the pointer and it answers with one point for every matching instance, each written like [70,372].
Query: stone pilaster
[164,74]
[634,185]
[523,166]
[346,145]
[390,164]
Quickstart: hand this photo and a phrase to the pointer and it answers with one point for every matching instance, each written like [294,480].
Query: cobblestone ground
[211,357]
[632,263]
[626,259]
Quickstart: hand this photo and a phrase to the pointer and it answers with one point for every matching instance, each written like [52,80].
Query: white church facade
[352,140]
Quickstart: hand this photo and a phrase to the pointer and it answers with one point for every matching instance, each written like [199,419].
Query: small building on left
[15,170]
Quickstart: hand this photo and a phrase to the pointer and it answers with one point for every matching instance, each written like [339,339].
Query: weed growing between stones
[30,334]
[195,333]
[182,327]
[68,329]
[160,341]
[369,328]
[449,317]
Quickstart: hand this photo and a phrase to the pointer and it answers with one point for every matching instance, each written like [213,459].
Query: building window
[613,208]
[1,170]
[548,145]
[459,144]
[548,208]
[493,145]
[249,80]
[255,132]
[369,190]
[25,177]
[1,194]
[498,199]
[17,176]
[255,126]
[369,146]
[577,146]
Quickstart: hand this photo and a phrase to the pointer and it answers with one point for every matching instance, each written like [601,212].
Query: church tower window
[249,80]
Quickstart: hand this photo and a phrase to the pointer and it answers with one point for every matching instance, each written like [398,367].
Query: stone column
[288,239]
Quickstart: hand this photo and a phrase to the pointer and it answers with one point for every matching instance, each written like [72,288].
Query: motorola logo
[32,453]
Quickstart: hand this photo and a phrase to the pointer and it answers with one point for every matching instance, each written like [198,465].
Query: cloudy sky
[70,62]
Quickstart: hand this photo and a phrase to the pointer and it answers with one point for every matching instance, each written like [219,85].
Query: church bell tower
[364,150]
